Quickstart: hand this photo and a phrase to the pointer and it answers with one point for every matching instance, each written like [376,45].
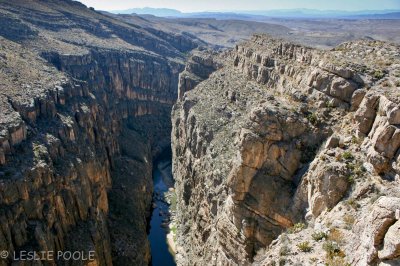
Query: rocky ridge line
[281,136]
[85,103]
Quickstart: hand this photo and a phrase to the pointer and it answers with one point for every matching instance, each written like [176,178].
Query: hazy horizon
[237,6]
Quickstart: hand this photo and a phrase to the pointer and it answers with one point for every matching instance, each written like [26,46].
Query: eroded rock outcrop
[85,106]
[250,161]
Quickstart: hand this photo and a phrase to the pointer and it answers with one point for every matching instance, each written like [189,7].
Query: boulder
[366,113]
[357,98]
[342,89]
[391,243]
[394,116]
[373,228]
[332,142]
[326,184]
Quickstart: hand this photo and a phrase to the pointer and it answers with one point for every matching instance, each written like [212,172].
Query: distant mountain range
[159,12]
[281,13]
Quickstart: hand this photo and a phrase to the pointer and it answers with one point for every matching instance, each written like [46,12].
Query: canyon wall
[278,143]
[281,152]
[85,107]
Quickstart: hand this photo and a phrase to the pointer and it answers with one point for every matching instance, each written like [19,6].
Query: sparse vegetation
[378,74]
[353,203]
[356,140]
[347,155]
[337,261]
[356,170]
[376,197]
[173,229]
[171,199]
[214,135]
[284,250]
[318,236]
[296,228]
[312,118]
[304,246]
[332,249]
[359,169]
[329,105]
[351,179]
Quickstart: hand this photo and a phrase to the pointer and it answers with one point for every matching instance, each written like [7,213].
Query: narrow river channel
[161,253]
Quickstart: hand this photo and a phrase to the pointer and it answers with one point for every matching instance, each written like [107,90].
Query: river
[163,181]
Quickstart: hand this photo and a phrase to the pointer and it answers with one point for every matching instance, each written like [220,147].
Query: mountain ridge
[279,13]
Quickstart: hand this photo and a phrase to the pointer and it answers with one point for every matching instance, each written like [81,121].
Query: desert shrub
[347,155]
[356,170]
[356,140]
[329,104]
[378,74]
[296,228]
[317,236]
[284,250]
[332,249]
[359,169]
[337,261]
[376,196]
[351,179]
[353,203]
[304,246]
[312,118]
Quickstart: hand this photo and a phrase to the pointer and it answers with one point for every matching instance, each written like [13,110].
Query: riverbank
[161,249]
[170,197]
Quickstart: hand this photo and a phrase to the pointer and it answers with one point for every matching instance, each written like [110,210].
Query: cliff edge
[286,152]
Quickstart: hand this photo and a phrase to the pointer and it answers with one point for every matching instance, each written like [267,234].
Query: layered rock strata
[278,140]
[85,106]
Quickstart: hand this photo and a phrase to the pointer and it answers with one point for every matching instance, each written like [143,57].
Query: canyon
[280,152]
[82,119]
[283,142]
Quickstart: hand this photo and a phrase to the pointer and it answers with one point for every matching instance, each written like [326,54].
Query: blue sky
[237,5]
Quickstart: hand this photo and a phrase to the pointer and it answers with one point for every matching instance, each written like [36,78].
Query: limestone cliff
[282,144]
[281,152]
[85,106]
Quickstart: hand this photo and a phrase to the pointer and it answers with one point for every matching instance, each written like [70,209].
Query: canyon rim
[283,143]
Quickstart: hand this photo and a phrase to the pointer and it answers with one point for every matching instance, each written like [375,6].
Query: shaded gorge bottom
[161,226]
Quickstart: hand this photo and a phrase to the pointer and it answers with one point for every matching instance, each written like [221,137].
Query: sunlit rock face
[285,138]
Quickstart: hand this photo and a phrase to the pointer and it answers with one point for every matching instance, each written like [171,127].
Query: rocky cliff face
[283,144]
[281,152]
[85,107]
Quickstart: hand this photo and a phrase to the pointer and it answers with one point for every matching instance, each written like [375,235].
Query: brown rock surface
[250,160]
[85,105]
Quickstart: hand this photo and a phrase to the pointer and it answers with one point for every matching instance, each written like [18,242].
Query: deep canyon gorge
[282,154]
